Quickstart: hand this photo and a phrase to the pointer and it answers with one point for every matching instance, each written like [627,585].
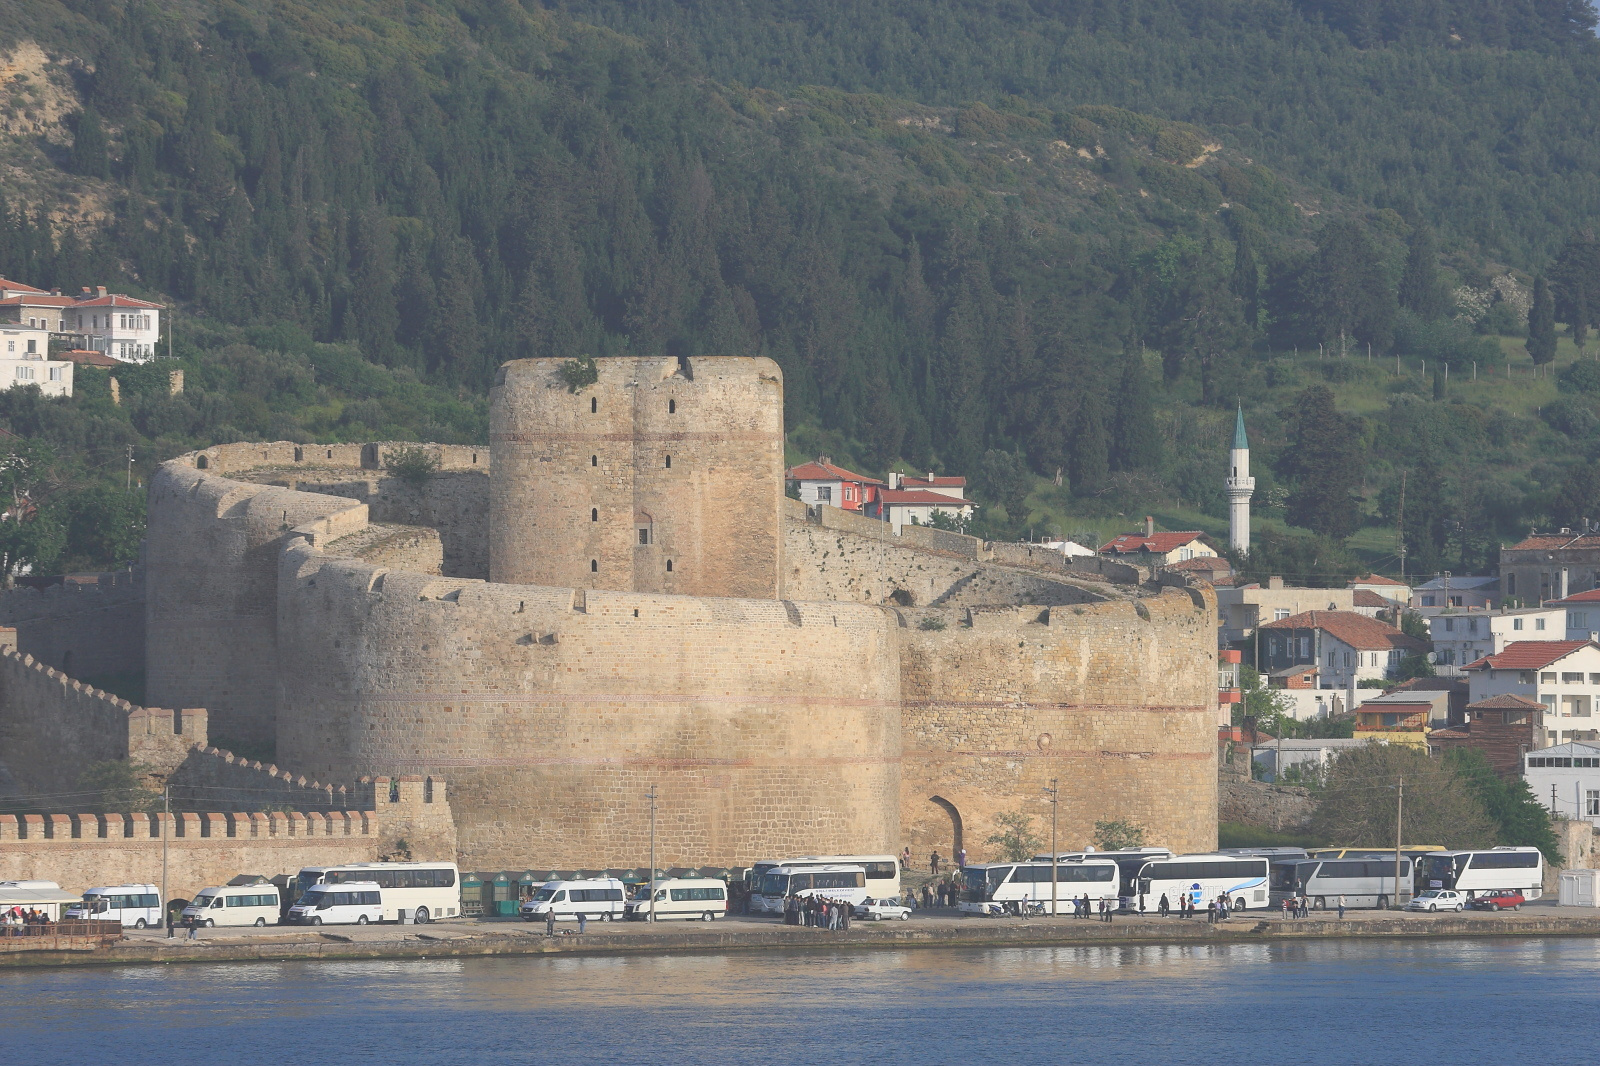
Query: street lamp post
[1055,805]
[650,881]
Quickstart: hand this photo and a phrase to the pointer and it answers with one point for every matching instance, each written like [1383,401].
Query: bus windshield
[774,884]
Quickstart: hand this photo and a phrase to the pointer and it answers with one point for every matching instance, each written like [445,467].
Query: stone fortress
[615,597]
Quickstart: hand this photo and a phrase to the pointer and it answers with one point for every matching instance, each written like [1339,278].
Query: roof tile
[1528,655]
[1356,630]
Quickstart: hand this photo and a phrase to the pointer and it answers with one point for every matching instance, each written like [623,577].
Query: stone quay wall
[52,727]
[79,851]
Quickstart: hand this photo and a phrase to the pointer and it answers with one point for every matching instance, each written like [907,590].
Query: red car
[1499,901]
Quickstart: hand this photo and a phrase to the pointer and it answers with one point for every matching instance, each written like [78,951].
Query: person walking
[961,859]
[550,922]
[1341,908]
[1163,905]
[905,858]
[933,864]
[927,896]
[194,929]
[583,921]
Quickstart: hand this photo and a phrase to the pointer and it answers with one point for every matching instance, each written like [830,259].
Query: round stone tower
[665,475]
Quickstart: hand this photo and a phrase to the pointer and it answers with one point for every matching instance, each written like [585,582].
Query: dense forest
[1049,245]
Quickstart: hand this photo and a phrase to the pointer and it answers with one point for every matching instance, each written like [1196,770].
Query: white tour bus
[1203,878]
[138,906]
[1364,882]
[425,890]
[1129,862]
[843,881]
[345,903]
[704,898]
[1001,887]
[882,873]
[600,898]
[256,904]
[1477,873]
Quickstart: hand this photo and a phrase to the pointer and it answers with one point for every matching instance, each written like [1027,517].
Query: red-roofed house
[1158,549]
[1387,587]
[1563,676]
[9,288]
[906,507]
[38,310]
[1582,617]
[1550,566]
[1504,728]
[120,326]
[823,482]
[1346,647]
[1369,603]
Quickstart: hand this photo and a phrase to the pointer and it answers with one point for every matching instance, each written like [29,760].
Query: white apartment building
[119,326]
[53,377]
[1564,675]
[1566,779]
[21,342]
[1461,636]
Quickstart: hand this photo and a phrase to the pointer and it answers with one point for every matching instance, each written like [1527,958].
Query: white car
[1438,899]
[881,910]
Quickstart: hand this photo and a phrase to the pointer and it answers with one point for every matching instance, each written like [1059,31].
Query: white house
[822,482]
[1461,636]
[905,507]
[1564,675]
[1455,590]
[21,342]
[53,377]
[1150,548]
[119,326]
[1347,648]
[1308,756]
[1387,587]
[1566,779]
[1582,614]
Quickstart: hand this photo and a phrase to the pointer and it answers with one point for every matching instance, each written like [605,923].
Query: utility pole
[650,881]
[1399,814]
[1552,799]
[1055,804]
[166,795]
[1400,527]
[130,468]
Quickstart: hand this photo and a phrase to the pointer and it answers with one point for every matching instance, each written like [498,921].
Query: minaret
[1240,487]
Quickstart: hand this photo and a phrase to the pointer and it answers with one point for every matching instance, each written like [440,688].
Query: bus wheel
[261,921]
[1383,903]
[422,916]
[211,923]
[315,920]
[1322,903]
[139,924]
[1238,904]
[606,917]
[361,919]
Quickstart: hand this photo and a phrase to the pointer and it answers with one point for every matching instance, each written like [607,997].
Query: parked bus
[844,881]
[1364,882]
[1001,887]
[1477,873]
[256,904]
[1369,853]
[135,906]
[425,890]
[1129,862]
[1205,877]
[882,876]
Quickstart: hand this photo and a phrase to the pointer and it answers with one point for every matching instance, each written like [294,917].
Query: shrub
[411,463]
[1581,376]
[580,373]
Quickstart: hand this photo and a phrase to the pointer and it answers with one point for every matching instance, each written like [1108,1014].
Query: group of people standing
[817,912]
[1300,907]
[16,916]
[1084,907]
[1188,906]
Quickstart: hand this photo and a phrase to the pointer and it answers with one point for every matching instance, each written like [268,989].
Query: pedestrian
[905,858]
[1286,907]
[927,896]
[550,922]
[194,929]
[583,920]
[1305,906]
[1163,905]
[933,864]
[169,924]
[961,859]
[1341,908]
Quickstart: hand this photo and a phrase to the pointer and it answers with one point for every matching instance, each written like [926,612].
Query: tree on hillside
[1421,289]
[1542,323]
[1314,562]
[1429,515]
[1090,460]
[1003,478]
[1575,281]
[1342,293]
[1203,323]
[89,147]
[1246,282]
[1135,440]
[1578,496]
[1357,807]
[1325,460]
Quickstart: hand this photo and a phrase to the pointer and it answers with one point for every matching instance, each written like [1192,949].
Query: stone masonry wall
[1114,700]
[52,727]
[764,726]
[86,628]
[1280,808]
[80,851]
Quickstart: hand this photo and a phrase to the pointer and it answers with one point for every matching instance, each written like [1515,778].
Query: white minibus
[704,898]
[1478,873]
[346,903]
[138,906]
[424,890]
[830,880]
[600,898]
[882,871]
[1203,878]
[1001,887]
[235,905]
[1366,882]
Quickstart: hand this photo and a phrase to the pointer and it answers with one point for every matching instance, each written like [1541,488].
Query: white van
[235,905]
[138,906]
[601,898]
[704,898]
[347,903]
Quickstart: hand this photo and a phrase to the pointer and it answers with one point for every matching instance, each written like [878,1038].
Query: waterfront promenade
[502,937]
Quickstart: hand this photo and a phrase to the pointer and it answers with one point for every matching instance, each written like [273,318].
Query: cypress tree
[1090,462]
[1324,458]
[1246,283]
[1580,320]
[1135,444]
[1420,288]
[90,156]
[1542,323]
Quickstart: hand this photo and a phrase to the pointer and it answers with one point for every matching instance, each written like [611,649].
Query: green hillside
[1048,245]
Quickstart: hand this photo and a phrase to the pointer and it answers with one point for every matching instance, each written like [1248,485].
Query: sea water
[1325,1002]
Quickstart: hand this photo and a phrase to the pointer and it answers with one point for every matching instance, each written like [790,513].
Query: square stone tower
[665,475]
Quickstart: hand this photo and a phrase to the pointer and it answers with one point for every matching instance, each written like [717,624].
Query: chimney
[1149,526]
[930,477]
[894,479]
[100,291]
[1274,582]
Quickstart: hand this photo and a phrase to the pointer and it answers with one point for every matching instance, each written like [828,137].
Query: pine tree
[90,155]
[1542,323]
[1090,461]
[1344,295]
[1246,282]
[1135,442]
[1421,291]
[1325,460]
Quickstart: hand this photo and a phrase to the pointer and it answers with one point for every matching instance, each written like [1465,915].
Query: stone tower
[1240,488]
[664,476]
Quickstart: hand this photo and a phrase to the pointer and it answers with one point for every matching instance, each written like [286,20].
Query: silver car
[1438,899]
[881,910]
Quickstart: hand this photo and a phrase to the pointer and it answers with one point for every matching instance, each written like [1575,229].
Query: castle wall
[766,727]
[211,569]
[52,728]
[82,627]
[661,462]
[1114,700]
[80,851]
